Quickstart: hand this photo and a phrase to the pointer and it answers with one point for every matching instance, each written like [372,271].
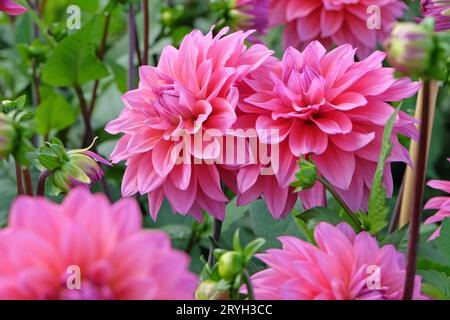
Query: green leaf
[253,247]
[443,241]
[399,238]
[265,226]
[378,210]
[74,62]
[436,284]
[54,113]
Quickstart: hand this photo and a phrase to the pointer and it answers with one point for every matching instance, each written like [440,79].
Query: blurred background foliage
[74,62]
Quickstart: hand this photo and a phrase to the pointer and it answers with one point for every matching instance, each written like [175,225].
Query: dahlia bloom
[343,266]
[181,111]
[329,107]
[336,21]
[47,246]
[439,10]
[11,8]
[442,204]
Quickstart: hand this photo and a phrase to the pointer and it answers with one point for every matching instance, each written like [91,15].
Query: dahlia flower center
[181,111]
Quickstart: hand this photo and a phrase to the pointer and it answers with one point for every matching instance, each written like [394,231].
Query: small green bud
[210,290]
[8,136]
[410,47]
[230,265]
[306,176]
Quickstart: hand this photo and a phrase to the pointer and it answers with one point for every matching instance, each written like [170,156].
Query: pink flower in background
[442,204]
[335,22]
[439,10]
[45,243]
[11,8]
[190,94]
[327,106]
[343,266]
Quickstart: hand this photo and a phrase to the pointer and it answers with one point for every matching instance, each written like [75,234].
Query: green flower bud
[230,265]
[72,168]
[8,136]
[410,48]
[210,290]
[306,176]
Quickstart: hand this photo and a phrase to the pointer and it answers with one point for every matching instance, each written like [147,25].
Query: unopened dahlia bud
[8,136]
[306,176]
[244,14]
[72,168]
[439,10]
[410,47]
[211,290]
[230,265]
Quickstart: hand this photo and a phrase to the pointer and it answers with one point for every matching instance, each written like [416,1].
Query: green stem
[341,201]
[249,285]
[39,22]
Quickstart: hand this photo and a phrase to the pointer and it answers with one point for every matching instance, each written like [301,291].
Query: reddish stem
[421,166]
[20,189]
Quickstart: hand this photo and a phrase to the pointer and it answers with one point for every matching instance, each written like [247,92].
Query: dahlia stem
[249,285]
[419,182]
[131,46]
[341,201]
[216,237]
[20,189]
[396,214]
[27,179]
[146,32]
[88,132]
[101,56]
[406,208]
[41,183]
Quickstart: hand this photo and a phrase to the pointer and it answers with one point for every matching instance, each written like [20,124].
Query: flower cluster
[322,105]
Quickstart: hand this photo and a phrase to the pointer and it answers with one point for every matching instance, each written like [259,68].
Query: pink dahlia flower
[173,124]
[439,10]
[336,21]
[343,266]
[86,248]
[11,8]
[329,107]
[442,204]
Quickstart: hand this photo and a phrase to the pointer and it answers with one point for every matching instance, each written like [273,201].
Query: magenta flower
[329,107]
[336,21]
[343,266]
[174,122]
[442,204]
[86,248]
[439,10]
[11,8]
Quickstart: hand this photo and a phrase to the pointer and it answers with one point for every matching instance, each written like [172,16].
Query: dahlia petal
[333,122]
[337,166]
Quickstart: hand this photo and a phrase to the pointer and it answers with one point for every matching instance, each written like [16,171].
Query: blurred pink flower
[335,21]
[190,94]
[327,106]
[439,10]
[442,204]
[45,243]
[11,8]
[343,266]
